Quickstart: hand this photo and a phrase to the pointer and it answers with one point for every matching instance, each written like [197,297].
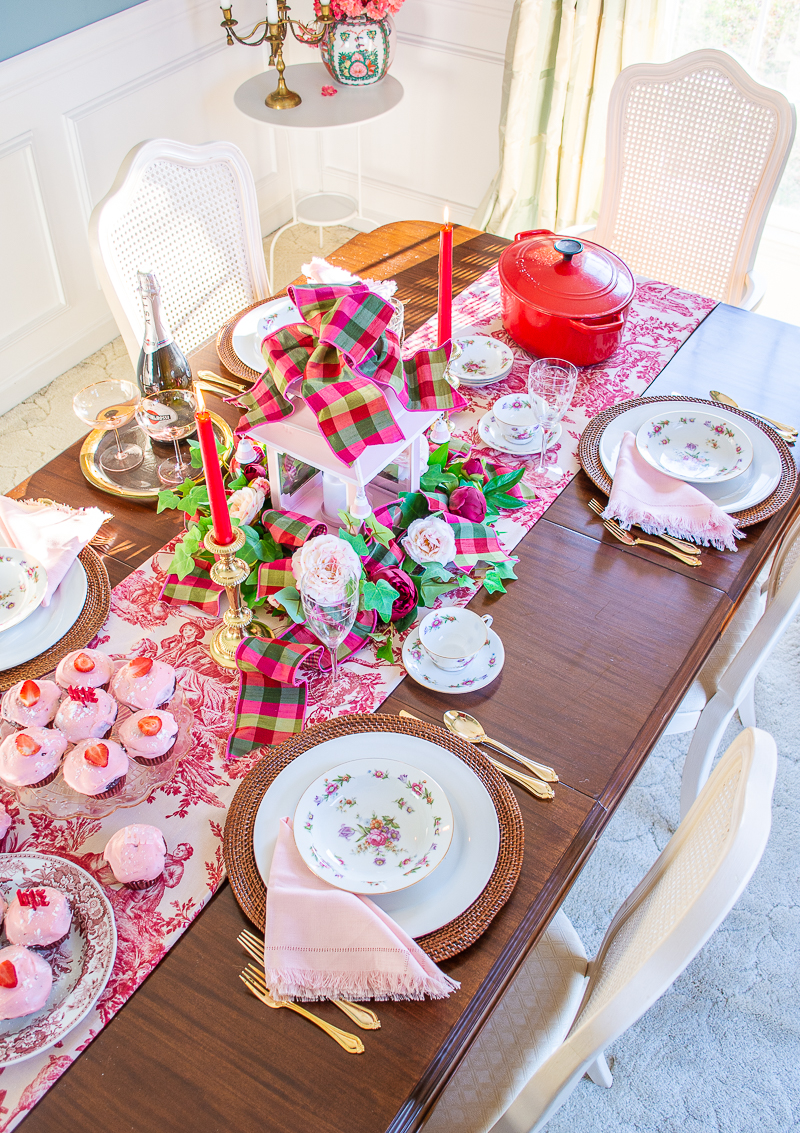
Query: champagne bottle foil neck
[148,284]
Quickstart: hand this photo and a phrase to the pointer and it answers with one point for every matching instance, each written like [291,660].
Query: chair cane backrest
[190,214]
[695,150]
[785,557]
[665,921]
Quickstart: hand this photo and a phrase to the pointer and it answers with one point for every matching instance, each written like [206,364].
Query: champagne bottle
[162,363]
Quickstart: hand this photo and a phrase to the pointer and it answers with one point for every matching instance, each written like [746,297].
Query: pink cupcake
[25,982]
[149,737]
[31,702]
[136,855]
[31,757]
[97,768]
[85,668]
[144,683]
[38,917]
[86,713]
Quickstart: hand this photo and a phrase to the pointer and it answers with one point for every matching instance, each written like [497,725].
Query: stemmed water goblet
[107,405]
[169,416]
[551,384]
[330,611]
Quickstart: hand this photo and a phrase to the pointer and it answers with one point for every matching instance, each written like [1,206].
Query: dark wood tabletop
[601,644]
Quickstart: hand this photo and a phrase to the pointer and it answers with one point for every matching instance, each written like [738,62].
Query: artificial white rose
[246,503]
[430,540]
[323,566]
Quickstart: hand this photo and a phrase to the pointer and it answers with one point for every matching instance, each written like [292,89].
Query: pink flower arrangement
[373,9]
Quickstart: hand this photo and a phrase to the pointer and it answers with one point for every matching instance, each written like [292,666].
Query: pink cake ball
[149,736]
[86,713]
[25,982]
[97,768]
[144,683]
[136,855]
[31,757]
[38,917]
[31,702]
[85,668]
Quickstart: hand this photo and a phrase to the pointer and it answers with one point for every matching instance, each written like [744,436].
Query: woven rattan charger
[589,455]
[91,618]
[450,939]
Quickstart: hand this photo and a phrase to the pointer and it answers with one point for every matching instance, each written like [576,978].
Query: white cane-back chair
[695,150]
[552,1024]
[190,214]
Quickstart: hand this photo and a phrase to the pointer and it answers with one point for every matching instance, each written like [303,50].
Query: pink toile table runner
[191,809]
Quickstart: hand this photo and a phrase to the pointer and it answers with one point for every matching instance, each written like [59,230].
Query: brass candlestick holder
[281,98]
[230,572]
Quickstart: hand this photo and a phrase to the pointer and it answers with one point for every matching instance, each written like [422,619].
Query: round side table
[350,106]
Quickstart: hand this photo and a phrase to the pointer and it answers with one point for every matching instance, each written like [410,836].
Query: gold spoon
[723,399]
[468,728]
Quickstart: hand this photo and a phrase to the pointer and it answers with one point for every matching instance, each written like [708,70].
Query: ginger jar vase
[358,51]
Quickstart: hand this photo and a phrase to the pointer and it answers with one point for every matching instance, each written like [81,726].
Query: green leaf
[357,542]
[402,625]
[196,457]
[239,482]
[506,569]
[436,572]
[380,533]
[379,596]
[528,493]
[436,478]
[183,562]
[194,499]
[289,598]
[501,483]
[167,501]
[431,590]
[493,582]
[508,503]
[269,550]
[386,651]
[413,505]
[439,455]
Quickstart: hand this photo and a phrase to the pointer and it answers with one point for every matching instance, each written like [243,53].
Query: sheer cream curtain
[562,58]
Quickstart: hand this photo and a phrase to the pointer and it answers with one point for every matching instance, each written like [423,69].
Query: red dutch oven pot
[564,298]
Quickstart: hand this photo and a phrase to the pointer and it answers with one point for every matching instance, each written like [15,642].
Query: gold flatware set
[687,553]
[788,432]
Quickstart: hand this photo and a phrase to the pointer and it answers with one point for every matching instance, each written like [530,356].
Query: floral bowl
[695,446]
[23,582]
[373,826]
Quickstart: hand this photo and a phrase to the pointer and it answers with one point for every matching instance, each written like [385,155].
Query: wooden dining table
[602,642]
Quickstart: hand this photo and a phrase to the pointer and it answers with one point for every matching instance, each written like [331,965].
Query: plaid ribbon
[340,368]
[474,541]
[198,589]
[271,705]
[290,528]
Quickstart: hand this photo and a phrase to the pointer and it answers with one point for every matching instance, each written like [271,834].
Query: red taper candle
[220,517]
[445,280]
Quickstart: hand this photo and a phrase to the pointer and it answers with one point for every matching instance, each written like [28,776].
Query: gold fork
[629,541]
[689,548]
[361,1016]
[253,979]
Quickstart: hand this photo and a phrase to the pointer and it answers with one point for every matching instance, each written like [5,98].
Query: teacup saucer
[483,359]
[480,672]
[489,432]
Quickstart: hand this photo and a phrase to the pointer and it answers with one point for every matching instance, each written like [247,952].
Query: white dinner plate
[254,326]
[745,491]
[47,624]
[81,964]
[23,582]
[463,874]
[373,825]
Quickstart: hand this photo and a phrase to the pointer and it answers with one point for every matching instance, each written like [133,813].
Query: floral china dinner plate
[482,360]
[81,964]
[373,826]
[695,446]
[254,326]
[480,672]
[489,432]
[23,582]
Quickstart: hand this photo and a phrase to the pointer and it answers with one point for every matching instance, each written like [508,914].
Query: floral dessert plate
[482,360]
[373,825]
[81,964]
[481,671]
[23,582]
[695,446]
[254,326]
[47,624]
[490,434]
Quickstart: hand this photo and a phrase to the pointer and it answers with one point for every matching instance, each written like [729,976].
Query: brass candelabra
[275,33]
[230,572]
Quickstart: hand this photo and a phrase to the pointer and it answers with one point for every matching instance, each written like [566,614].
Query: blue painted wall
[28,23]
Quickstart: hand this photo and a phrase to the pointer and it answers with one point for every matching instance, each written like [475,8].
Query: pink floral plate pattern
[695,446]
[81,964]
[373,826]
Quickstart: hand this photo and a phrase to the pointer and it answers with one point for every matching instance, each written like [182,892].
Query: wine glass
[110,405]
[169,416]
[551,384]
[330,612]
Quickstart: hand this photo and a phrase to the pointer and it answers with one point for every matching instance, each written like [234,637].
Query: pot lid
[562,276]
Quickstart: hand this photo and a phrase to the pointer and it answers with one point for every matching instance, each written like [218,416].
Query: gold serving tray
[139,483]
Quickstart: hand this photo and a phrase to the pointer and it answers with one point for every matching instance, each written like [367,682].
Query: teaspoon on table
[468,728]
[788,432]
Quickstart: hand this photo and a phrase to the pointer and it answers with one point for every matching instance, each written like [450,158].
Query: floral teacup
[453,637]
[515,418]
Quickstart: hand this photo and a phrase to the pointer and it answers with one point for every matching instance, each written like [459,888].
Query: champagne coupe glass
[551,384]
[110,405]
[168,415]
[330,611]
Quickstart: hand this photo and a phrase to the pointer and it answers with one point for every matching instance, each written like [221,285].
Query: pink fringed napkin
[656,502]
[53,533]
[323,943]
